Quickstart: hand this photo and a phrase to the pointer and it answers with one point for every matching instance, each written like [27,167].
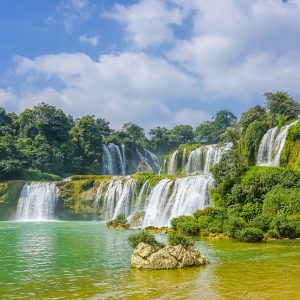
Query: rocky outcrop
[170,257]
[137,219]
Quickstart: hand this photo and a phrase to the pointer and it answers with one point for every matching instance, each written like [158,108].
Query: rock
[144,167]
[170,257]
[137,219]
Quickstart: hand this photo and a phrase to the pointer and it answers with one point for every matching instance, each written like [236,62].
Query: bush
[282,201]
[284,227]
[144,237]
[175,239]
[186,225]
[119,221]
[234,225]
[250,235]
[262,222]
[208,211]
[273,234]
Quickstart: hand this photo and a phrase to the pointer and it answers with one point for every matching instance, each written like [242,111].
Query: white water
[199,160]
[189,194]
[172,164]
[37,201]
[271,146]
[114,160]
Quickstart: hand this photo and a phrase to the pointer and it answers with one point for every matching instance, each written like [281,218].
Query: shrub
[250,235]
[262,222]
[144,237]
[119,221]
[208,211]
[273,234]
[284,227]
[186,225]
[234,225]
[282,201]
[175,239]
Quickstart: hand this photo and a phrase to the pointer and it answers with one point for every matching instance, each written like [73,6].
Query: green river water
[84,260]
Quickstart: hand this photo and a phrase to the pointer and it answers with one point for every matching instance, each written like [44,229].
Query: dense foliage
[175,239]
[144,237]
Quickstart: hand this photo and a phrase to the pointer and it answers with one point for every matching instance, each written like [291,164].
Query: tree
[134,132]
[181,134]
[256,113]
[46,120]
[210,131]
[104,128]
[281,103]
[159,138]
[86,136]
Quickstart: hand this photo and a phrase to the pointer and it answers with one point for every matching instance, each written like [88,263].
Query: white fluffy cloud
[240,49]
[179,54]
[148,22]
[127,87]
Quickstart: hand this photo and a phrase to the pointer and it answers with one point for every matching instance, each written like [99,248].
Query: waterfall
[271,146]
[113,162]
[37,201]
[144,192]
[199,161]
[172,164]
[188,195]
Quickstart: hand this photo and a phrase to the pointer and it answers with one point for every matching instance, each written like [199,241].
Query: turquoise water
[84,260]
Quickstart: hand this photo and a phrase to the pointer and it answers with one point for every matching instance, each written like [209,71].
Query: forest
[44,141]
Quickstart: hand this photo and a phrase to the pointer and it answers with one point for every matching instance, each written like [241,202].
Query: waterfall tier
[167,199]
[116,162]
[37,201]
[197,161]
[271,146]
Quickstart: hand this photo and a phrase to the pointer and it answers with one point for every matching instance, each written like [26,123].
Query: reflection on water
[84,260]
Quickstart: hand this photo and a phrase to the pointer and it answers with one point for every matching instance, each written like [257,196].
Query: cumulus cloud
[240,49]
[126,87]
[148,22]
[92,40]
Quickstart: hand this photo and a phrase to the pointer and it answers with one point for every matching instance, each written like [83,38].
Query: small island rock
[170,257]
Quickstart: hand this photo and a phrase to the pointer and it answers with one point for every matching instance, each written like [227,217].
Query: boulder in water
[170,257]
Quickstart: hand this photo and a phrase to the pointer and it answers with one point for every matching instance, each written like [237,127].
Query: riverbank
[75,260]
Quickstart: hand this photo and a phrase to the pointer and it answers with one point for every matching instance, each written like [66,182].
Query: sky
[151,62]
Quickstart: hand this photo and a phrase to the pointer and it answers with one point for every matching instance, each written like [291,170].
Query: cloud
[126,87]
[240,49]
[92,40]
[148,22]
[71,11]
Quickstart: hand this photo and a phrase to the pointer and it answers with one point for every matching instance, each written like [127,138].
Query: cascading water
[37,201]
[189,194]
[172,164]
[271,146]
[168,198]
[199,161]
[113,161]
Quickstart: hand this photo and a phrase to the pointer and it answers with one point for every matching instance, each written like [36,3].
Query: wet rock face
[170,257]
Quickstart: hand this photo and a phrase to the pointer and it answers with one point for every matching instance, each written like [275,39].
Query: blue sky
[152,62]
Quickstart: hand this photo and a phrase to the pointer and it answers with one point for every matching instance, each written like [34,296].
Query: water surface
[84,260]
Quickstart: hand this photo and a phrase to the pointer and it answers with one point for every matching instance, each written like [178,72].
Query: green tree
[211,131]
[86,136]
[281,103]
[256,113]
[134,132]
